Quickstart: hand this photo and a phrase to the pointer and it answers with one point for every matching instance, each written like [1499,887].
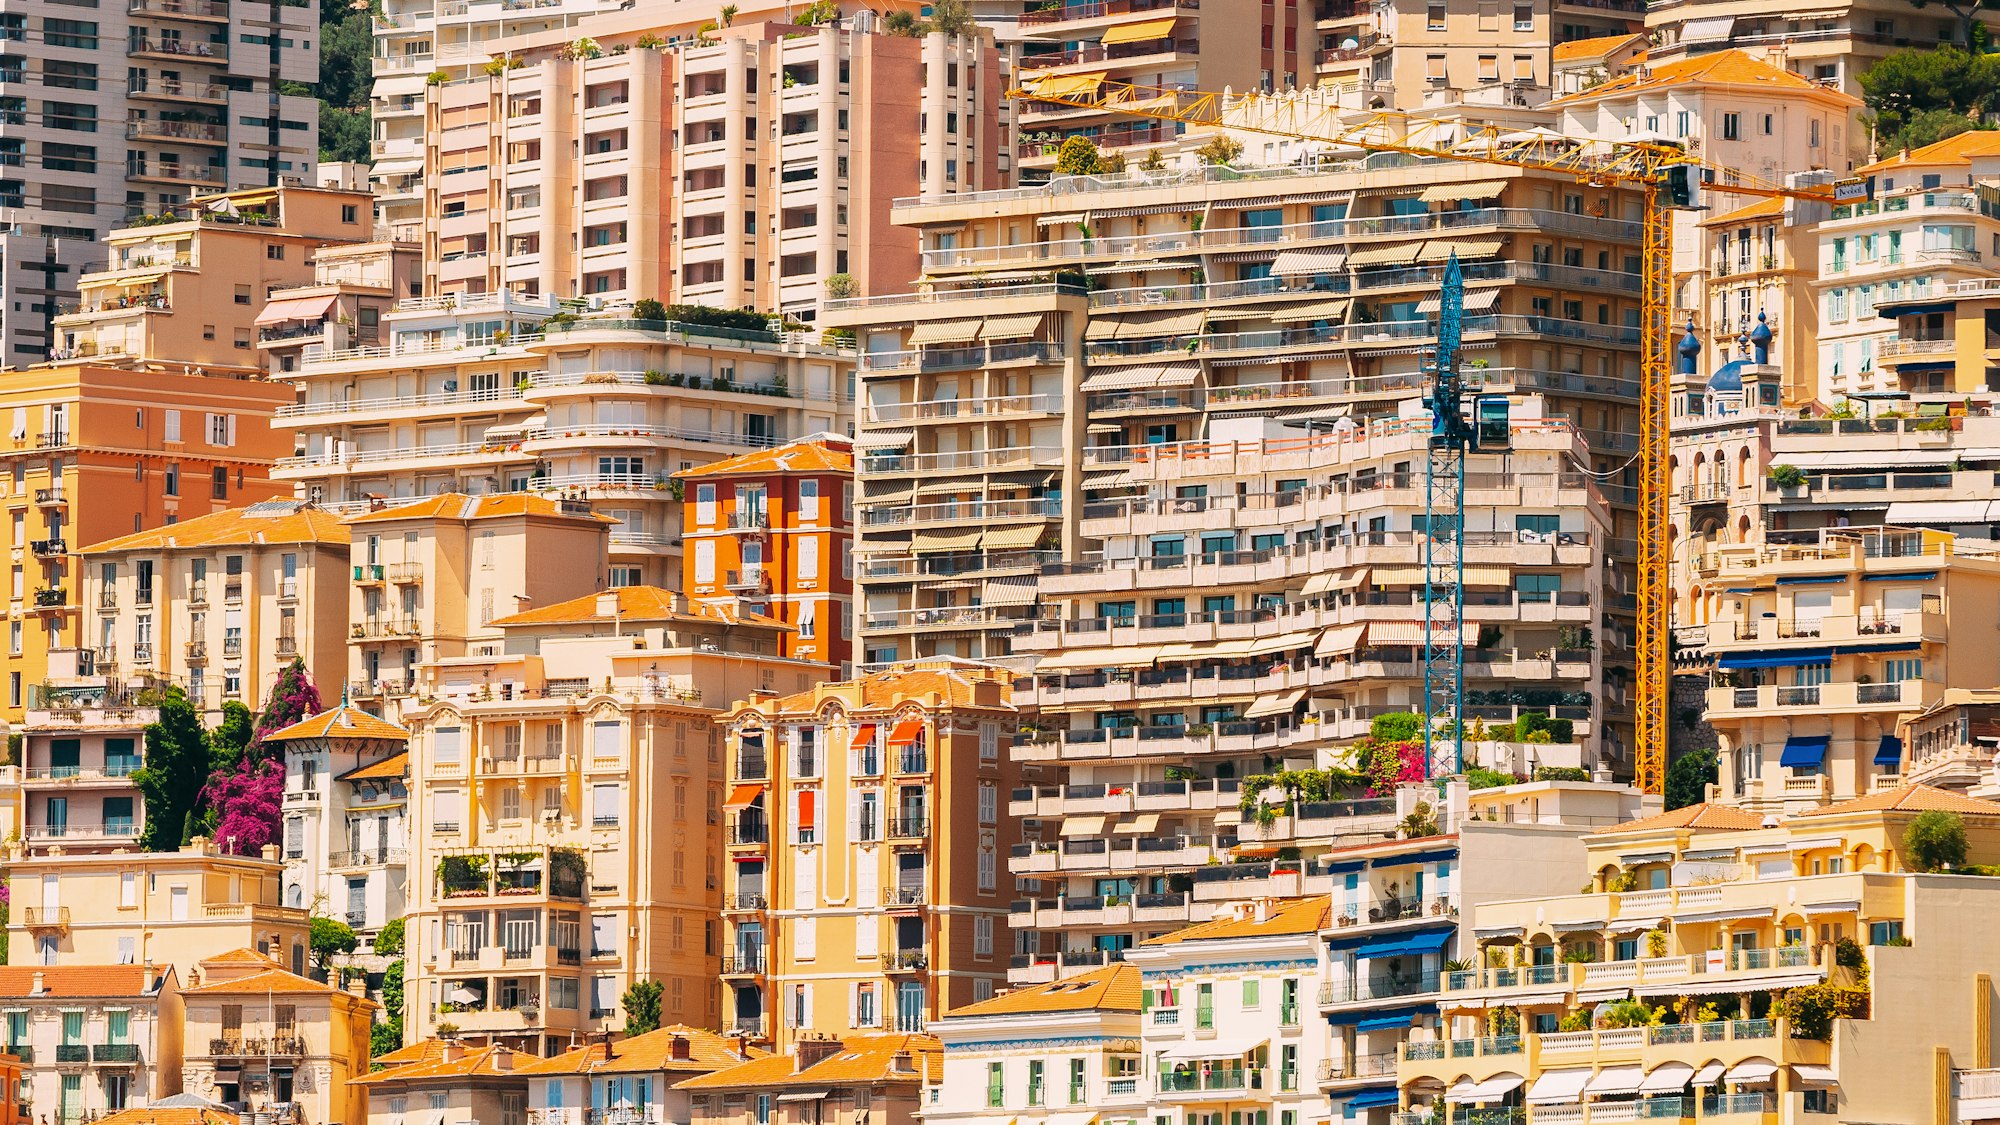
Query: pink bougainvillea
[293,697]
[1393,764]
[246,803]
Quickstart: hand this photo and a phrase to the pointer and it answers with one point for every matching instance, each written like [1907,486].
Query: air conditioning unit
[450,385]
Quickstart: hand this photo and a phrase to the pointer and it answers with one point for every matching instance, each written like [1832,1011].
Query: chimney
[503,1059]
[451,1051]
[269,852]
[812,1052]
[607,604]
[1262,910]
[40,985]
[680,1048]
[357,985]
[739,1043]
[148,977]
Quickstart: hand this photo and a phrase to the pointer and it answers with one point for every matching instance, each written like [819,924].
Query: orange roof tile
[1577,50]
[74,981]
[1721,818]
[276,521]
[650,1053]
[892,687]
[1114,988]
[435,1067]
[243,956]
[1722,68]
[822,453]
[458,506]
[1914,797]
[861,1060]
[344,721]
[267,982]
[423,1050]
[635,604]
[394,766]
[1762,209]
[170,1115]
[1960,149]
[1299,916]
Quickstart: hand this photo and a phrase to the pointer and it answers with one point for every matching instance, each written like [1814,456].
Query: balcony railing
[115,1052]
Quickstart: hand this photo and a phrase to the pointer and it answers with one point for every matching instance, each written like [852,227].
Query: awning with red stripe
[906,731]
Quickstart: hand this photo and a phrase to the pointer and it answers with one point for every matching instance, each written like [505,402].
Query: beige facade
[92,1039]
[222,603]
[146,908]
[430,579]
[566,815]
[1711,905]
[614,161]
[1757,269]
[353,286]
[825,1080]
[1215,297]
[449,1080]
[266,1041]
[1831,44]
[866,846]
[187,294]
[1820,647]
[497,393]
[79,750]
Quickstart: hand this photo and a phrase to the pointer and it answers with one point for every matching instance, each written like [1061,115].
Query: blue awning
[1428,855]
[1883,646]
[1345,866]
[1889,752]
[1382,1023]
[1774,659]
[1811,579]
[1804,751]
[1369,1099]
[1343,943]
[1914,306]
[1405,945]
[1914,576]
[1354,1018]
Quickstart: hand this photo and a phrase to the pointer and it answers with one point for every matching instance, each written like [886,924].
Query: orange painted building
[13,1105]
[774,530]
[89,453]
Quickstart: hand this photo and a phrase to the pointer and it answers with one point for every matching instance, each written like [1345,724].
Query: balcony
[908,827]
[748,962]
[177,50]
[239,1046]
[73,1053]
[46,917]
[125,1053]
[197,652]
[51,498]
[906,961]
[745,901]
[368,857]
[1216,1080]
[173,172]
[183,132]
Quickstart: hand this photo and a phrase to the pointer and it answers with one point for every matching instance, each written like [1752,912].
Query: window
[1204,1006]
[1732,126]
[1434,19]
[1885,933]
[1524,17]
[996,1085]
[1537,587]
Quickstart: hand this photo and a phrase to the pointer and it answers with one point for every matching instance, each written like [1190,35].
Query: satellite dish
[1349,43]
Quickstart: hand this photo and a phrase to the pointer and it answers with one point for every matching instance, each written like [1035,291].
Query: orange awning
[864,733]
[906,731]
[744,795]
[297,308]
[806,808]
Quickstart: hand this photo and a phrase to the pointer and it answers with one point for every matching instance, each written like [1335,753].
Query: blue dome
[1728,377]
[1762,333]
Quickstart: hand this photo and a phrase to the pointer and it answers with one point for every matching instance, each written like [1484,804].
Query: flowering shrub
[293,698]
[1393,764]
[246,803]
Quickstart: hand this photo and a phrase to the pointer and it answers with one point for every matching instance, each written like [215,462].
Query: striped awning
[1304,261]
[1133,378]
[1067,85]
[1410,633]
[1012,538]
[1334,310]
[1142,32]
[1479,300]
[945,332]
[1172,324]
[1400,254]
[1455,193]
[945,540]
[1439,249]
[1015,590]
[1011,327]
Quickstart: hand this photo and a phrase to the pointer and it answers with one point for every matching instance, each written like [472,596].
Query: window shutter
[865,936]
[854,1005]
[853,815]
[805,938]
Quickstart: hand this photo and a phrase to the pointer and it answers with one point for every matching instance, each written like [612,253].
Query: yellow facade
[274,1041]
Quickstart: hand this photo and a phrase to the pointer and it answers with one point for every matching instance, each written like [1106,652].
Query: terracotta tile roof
[1961,149]
[1578,50]
[67,981]
[1762,209]
[1299,916]
[889,688]
[458,506]
[277,521]
[1114,988]
[650,1053]
[635,604]
[820,454]
[1720,818]
[243,956]
[423,1050]
[170,1115]
[1722,68]
[861,1060]
[388,769]
[268,981]
[1914,797]
[344,721]
[435,1067]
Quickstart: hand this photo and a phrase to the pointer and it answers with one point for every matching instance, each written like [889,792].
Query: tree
[174,775]
[388,1035]
[1966,12]
[901,22]
[728,15]
[840,285]
[247,804]
[330,937]
[1689,776]
[230,739]
[1220,149]
[1077,157]
[389,939]
[1934,841]
[642,1007]
[952,17]
[1918,97]
[292,698]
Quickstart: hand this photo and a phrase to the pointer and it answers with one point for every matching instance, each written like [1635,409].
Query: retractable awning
[1011,327]
[1456,193]
[1440,249]
[1334,310]
[1616,1080]
[1809,1074]
[1406,945]
[1339,639]
[1012,538]
[1304,261]
[1756,1070]
[1558,1087]
[907,730]
[1479,300]
[1083,826]
[1491,1090]
[1393,255]
[1804,751]
[1889,752]
[1218,1048]
[743,795]
[1667,1078]
[1144,824]
[297,308]
[1280,703]
[1067,85]
[1015,590]
[1143,31]
[961,540]
[1792,659]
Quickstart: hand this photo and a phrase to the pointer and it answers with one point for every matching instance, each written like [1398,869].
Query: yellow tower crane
[1666,176]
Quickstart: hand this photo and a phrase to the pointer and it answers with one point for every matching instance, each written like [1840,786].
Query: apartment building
[1580,64]
[277,572]
[1889,270]
[997,1052]
[619,160]
[1215,296]
[92,1039]
[14,1092]
[773,531]
[347,783]
[496,393]
[1949,745]
[186,293]
[267,1042]
[1873,604]
[1831,45]
[825,1080]
[451,1079]
[79,750]
[144,908]
[1752,293]
[431,579]
[341,307]
[94,452]
[635,1077]
[1695,924]
[195,85]
[550,766]
[873,806]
